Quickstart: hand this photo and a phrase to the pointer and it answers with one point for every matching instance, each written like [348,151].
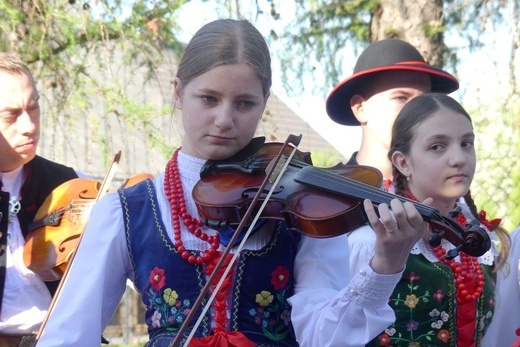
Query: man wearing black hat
[387,75]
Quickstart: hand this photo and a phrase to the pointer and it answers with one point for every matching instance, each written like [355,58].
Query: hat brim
[338,101]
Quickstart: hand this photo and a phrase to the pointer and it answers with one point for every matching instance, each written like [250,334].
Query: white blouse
[26,297]
[506,320]
[329,307]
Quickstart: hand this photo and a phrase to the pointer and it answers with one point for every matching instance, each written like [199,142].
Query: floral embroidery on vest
[415,294]
[416,298]
[169,312]
[273,312]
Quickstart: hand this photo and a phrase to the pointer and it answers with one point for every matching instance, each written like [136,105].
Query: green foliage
[496,187]
[323,29]
[433,30]
[67,43]
[471,18]
[318,36]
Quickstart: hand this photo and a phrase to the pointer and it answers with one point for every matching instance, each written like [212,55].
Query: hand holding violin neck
[473,241]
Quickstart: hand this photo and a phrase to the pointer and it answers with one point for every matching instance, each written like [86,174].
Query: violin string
[238,249]
[432,212]
[377,193]
[75,210]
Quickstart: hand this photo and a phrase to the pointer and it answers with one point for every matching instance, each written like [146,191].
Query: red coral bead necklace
[175,195]
[468,273]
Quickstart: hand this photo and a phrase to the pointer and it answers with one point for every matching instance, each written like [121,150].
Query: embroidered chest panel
[261,283]
[424,302]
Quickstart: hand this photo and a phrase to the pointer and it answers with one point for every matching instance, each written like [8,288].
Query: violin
[317,202]
[55,232]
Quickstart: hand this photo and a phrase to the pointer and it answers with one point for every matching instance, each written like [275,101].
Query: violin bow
[109,176]
[295,140]
[102,191]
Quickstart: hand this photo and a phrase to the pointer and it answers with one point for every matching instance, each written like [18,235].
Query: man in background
[387,75]
[25,181]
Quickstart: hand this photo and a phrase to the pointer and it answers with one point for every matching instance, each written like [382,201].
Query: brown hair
[226,41]
[13,64]
[416,111]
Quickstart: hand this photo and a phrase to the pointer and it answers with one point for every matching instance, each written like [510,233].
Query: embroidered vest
[424,305]
[169,285]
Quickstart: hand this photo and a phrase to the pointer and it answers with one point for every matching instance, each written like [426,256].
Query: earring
[408,178]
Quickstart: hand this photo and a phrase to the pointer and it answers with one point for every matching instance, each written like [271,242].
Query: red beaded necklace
[466,272]
[175,195]
[469,281]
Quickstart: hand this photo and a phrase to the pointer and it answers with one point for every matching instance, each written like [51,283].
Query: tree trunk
[419,22]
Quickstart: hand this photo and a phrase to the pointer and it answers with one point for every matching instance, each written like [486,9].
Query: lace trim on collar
[423,248]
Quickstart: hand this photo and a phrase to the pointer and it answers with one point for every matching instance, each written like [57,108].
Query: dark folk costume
[24,297]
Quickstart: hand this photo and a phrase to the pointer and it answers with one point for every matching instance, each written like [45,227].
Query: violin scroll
[473,240]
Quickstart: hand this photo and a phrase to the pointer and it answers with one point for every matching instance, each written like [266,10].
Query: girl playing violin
[285,289]
[438,302]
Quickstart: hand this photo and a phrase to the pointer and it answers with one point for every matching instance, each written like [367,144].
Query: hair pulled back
[411,115]
[226,41]
[416,111]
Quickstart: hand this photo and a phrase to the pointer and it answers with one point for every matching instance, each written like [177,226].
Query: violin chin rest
[217,224]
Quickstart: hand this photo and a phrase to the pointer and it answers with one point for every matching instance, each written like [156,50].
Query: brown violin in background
[55,233]
[318,202]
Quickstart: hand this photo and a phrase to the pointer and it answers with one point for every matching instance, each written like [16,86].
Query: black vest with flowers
[424,302]
[169,285]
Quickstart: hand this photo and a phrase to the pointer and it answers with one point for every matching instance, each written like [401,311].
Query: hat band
[412,62]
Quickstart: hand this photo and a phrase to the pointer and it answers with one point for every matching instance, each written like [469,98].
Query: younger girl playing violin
[284,289]
[438,302]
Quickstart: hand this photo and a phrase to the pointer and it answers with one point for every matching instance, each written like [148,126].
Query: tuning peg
[453,213]
[452,253]
[436,238]
[472,223]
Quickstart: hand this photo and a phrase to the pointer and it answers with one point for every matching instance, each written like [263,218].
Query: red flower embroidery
[438,295]
[157,278]
[413,277]
[280,277]
[384,340]
[443,335]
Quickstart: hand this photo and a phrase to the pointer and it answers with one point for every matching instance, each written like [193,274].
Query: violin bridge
[278,168]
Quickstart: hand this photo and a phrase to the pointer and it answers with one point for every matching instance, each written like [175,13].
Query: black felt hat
[384,55]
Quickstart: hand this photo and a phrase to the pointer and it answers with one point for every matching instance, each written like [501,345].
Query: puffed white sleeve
[361,247]
[331,308]
[506,318]
[95,283]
